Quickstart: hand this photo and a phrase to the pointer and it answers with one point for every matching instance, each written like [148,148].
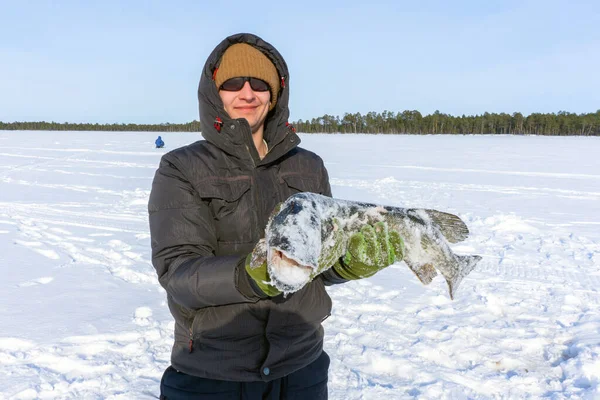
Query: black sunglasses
[235,84]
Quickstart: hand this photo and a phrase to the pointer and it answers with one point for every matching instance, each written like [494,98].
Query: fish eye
[295,207]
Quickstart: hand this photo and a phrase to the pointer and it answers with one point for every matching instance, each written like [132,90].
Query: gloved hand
[369,251]
[256,267]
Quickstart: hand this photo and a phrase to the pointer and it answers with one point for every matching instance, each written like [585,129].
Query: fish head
[294,231]
[294,242]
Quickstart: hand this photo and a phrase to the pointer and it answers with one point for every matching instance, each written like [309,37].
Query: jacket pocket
[229,325]
[307,309]
[231,205]
[297,183]
[228,189]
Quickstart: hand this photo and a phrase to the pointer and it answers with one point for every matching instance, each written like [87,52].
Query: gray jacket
[208,207]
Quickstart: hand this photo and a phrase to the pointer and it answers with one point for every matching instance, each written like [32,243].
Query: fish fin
[452,227]
[259,254]
[424,272]
[465,266]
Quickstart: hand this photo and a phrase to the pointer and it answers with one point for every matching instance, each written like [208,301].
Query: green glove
[369,251]
[256,267]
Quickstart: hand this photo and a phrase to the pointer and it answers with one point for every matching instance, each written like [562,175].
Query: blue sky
[140,61]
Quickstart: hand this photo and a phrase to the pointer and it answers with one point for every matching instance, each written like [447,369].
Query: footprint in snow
[35,246]
[143,316]
[39,281]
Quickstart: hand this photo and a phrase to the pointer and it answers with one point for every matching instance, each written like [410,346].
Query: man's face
[246,103]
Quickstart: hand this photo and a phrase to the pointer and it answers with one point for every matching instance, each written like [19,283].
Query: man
[236,336]
[159,143]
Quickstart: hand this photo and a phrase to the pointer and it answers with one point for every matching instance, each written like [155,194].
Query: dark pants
[308,383]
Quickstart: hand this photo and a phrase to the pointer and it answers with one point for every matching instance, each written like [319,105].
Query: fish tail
[464,265]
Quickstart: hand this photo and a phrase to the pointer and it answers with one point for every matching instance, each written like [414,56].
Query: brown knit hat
[242,59]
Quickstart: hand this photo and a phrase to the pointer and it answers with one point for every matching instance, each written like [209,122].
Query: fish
[301,228]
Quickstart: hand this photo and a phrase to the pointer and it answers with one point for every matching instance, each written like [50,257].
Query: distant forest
[193,126]
[407,122]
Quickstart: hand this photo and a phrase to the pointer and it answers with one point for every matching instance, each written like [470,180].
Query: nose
[246,92]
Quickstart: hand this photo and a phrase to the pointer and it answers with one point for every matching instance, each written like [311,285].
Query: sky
[140,61]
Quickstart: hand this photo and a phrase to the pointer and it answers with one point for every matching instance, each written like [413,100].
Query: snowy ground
[83,317]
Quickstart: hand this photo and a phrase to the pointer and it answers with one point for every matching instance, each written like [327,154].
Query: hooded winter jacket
[208,207]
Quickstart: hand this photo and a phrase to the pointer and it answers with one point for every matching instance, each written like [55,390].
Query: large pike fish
[303,226]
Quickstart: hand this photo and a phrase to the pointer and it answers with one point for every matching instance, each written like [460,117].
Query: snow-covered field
[83,317]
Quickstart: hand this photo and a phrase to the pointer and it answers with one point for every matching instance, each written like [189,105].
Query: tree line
[193,126]
[406,122]
[413,122]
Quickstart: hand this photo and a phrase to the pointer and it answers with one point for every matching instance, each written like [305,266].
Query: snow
[83,317]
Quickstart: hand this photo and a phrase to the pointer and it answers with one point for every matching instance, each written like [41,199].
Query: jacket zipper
[257,229]
[251,158]
[191,343]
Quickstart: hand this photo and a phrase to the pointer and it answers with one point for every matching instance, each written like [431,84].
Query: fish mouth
[281,260]
[287,274]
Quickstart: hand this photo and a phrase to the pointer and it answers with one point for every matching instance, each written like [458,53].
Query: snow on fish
[305,224]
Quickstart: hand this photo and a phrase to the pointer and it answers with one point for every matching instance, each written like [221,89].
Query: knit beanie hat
[242,59]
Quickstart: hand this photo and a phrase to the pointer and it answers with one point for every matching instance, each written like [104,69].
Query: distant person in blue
[159,143]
